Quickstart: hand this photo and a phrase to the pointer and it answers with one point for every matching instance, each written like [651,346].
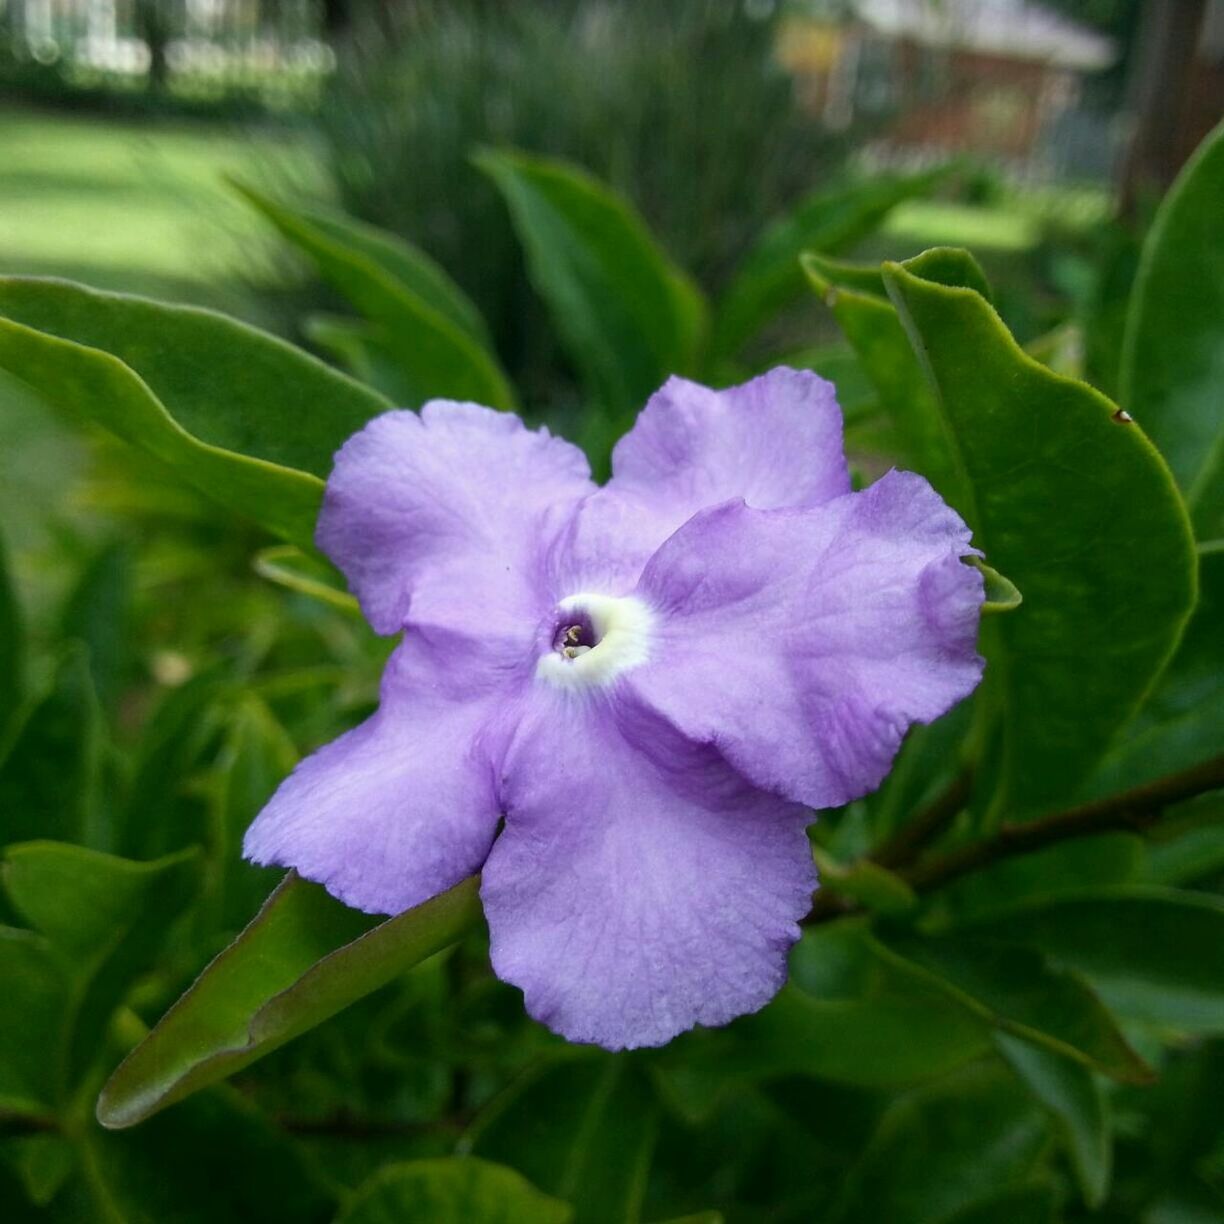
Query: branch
[909,841]
[1134,809]
[1130,810]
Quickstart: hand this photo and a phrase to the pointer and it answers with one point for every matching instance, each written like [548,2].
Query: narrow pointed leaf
[1017,991]
[770,277]
[1153,954]
[1079,1107]
[303,958]
[1173,350]
[580,1127]
[49,766]
[32,1023]
[941,1151]
[12,648]
[305,573]
[856,296]
[627,315]
[106,916]
[423,322]
[246,418]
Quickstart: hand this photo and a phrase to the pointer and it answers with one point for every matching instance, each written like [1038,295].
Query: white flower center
[598,638]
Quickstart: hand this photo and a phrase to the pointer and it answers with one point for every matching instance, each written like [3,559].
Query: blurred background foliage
[162,665]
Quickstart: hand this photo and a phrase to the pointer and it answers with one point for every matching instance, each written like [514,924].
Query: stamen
[596,637]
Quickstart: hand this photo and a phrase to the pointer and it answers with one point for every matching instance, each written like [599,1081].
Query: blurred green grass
[137,206]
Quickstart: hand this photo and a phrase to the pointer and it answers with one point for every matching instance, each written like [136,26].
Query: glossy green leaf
[769,277]
[1179,725]
[49,776]
[44,1163]
[1188,848]
[107,917]
[454,1190]
[580,1127]
[303,958]
[305,573]
[256,755]
[32,1022]
[359,349]
[1033,1204]
[1017,991]
[181,735]
[247,419]
[846,1016]
[868,883]
[942,1150]
[426,324]
[627,316]
[1062,495]
[1153,954]
[98,612]
[856,296]
[1064,869]
[1076,1102]
[215,1158]
[1173,351]
[12,649]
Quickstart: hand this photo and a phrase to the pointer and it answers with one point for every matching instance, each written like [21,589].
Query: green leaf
[1173,350]
[247,419]
[305,573]
[12,649]
[1179,725]
[1002,595]
[581,1127]
[359,349]
[846,1016]
[626,314]
[213,1159]
[32,1022]
[943,1150]
[178,739]
[256,756]
[769,276]
[424,322]
[98,612]
[1033,1204]
[303,958]
[106,916]
[454,1190]
[1153,954]
[1017,991]
[49,775]
[1062,496]
[856,296]
[1190,847]
[866,882]
[1076,1102]
[1063,869]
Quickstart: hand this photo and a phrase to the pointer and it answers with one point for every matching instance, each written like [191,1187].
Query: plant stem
[1133,809]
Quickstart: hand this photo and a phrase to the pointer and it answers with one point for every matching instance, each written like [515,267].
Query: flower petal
[639,886]
[402,807]
[803,643]
[443,515]
[774,441]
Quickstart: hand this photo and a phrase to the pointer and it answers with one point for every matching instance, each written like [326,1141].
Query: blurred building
[1003,79]
[196,48]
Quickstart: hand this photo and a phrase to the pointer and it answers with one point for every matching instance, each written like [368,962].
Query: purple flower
[652,683]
